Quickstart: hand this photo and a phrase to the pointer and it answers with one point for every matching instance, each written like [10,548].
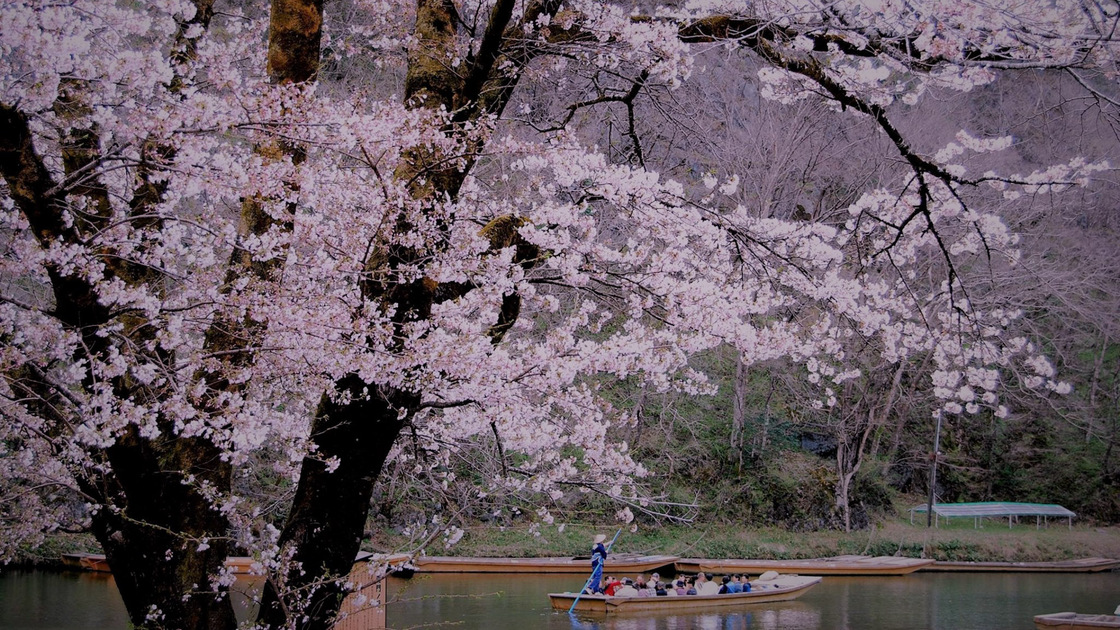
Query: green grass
[958,541]
[895,537]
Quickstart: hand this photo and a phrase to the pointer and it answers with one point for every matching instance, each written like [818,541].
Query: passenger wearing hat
[627,589]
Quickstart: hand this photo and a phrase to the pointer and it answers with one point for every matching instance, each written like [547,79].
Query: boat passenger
[645,589]
[627,589]
[725,588]
[660,591]
[611,586]
[705,586]
[680,588]
[735,586]
[690,587]
[670,589]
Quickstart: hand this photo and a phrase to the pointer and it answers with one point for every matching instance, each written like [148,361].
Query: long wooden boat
[838,565]
[97,562]
[84,561]
[577,565]
[241,565]
[779,589]
[1075,621]
[1081,565]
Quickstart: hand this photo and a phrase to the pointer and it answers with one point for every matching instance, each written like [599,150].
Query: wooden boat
[75,560]
[1081,565]
[97,562]
[577,565]
[397,564]
[1075,621]
[780,589]
[839,565]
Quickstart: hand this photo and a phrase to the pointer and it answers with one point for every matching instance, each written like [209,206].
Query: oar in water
[592,576]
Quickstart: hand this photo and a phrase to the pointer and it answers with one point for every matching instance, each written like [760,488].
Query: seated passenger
[735,586]
[610,585]
[725,587]
[706,586]
[660,590]
[627,589]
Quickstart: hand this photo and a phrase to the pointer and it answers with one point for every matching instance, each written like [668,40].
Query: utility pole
[933,469]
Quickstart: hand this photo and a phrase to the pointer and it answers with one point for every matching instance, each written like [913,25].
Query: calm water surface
[38,600]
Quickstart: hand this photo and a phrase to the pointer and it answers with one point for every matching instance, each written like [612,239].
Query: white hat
[600,538]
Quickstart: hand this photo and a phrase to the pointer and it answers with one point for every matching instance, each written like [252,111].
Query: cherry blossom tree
[219,241]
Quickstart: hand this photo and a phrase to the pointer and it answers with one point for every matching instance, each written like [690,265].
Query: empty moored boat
[1080,565]
[578,565]
[1075,621]
[838,565]
[96,562]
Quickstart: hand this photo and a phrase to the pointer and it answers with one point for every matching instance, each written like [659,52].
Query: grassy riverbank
[953,541]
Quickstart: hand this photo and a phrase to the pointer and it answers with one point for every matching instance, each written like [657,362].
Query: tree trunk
[164,541]
[738,412]
[844,484]
[326,523]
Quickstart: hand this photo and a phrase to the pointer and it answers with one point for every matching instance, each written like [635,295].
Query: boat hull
[579,566]
[1082,565]
[1075,621]
[783,588]
[96,562]
[840,565]
[240,565]
[84,561]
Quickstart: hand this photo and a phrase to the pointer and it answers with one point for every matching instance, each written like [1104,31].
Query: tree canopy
[313,238]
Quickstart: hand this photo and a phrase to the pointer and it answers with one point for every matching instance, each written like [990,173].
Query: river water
[41,600]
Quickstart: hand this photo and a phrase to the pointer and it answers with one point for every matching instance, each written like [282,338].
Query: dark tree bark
[324,528]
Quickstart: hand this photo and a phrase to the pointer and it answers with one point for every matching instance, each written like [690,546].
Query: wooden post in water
[933,470]
[364,608]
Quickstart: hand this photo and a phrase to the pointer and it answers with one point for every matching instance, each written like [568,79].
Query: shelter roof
[996,508]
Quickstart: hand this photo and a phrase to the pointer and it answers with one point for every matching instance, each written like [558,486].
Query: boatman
[598,558]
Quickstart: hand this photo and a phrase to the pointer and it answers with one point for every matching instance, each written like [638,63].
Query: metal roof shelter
[998,509]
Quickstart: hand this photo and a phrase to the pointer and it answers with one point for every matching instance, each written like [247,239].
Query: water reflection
[37,600]
[783,616]
[925,600]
